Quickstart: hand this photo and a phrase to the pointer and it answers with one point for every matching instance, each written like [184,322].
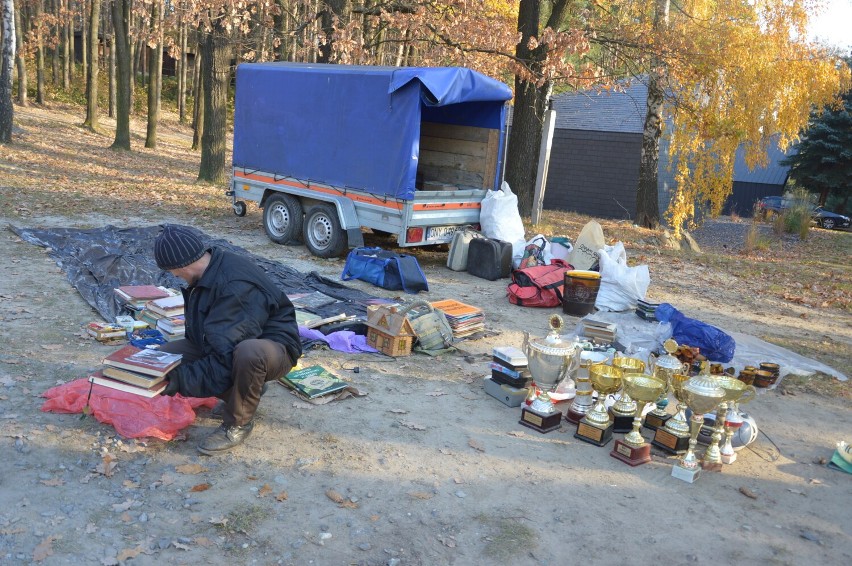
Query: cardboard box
[506,394]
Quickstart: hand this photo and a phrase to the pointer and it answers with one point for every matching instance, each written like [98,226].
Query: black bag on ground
[489,258]
[386,269]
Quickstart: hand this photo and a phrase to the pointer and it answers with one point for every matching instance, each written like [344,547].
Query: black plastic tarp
[98,260]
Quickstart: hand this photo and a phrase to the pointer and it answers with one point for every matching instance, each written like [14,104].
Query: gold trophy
[633,450]
[596,426]
[624,409]
[664,367]
[736,392]
[702,394]
[673,437]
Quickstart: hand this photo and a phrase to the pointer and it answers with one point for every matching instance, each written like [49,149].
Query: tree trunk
[197,100]
[647,201]
[112,68]
[66,52]
[155,82]
[182,74]
[333,10]
[84,68]
[92,70]
[7,54]
[215,71]
[120,19]
[20,61]
[39,8]
[530,103]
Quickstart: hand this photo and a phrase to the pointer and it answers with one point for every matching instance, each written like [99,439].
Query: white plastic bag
[499,216]
[621,286]
[584,255]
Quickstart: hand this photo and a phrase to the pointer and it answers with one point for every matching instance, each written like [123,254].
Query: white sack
[621,286]
[499,216]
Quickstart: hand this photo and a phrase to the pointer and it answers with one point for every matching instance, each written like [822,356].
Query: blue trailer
[327,150]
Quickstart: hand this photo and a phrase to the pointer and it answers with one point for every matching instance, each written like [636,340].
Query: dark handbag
[385,269]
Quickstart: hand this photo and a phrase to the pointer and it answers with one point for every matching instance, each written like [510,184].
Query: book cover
[147,361]
[456,309]
[140,292]
[172,324]
[105,330]
[132,377]
[313,381]
[168,306]
[99,379]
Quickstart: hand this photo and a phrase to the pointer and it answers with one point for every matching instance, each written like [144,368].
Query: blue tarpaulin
[353,126]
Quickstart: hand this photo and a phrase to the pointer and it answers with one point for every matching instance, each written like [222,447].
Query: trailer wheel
[282,218]
[240,208]
[322,232]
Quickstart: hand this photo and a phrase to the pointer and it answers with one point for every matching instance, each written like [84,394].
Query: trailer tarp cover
[353,126]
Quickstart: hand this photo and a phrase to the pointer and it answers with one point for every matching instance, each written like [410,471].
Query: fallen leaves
[412,425]
[264,490]
[107,466]
[421,495]
[190,469]
[44,548]
[748,493]
[476,445]
[200,487]
[281,496]
[340,500]
[54,482]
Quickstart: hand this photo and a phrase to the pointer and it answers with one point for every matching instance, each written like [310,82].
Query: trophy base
[631,455]
[653,422]
[684,474]
[622,423]
[711,466]
[670,443]
[593,434]
[574,417]
[729,458]
[542,424]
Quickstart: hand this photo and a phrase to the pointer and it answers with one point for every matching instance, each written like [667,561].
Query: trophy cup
[540,415]
[701,394]
[735,392]
[643,389]
[664,367]
[596,426]
[549,360]
[673,437]
[583,401]
[623,409]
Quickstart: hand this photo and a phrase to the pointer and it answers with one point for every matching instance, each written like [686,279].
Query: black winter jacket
[233,301]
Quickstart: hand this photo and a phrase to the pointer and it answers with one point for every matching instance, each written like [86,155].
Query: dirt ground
[426,469]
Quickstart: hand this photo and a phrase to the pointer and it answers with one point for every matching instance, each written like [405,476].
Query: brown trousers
[255,362]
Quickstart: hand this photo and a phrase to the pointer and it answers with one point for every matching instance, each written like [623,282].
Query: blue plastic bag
[713,343]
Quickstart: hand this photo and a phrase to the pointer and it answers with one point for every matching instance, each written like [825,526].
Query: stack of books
[464,319]
[646,310]
[105,332]
[599,331]
[158,309]
[134,297]
[173,327]
[134,370]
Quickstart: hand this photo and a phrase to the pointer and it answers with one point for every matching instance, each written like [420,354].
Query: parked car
[769,206]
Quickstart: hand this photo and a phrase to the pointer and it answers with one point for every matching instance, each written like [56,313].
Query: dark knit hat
[177,247]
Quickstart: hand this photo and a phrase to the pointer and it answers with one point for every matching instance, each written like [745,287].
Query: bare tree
[39,9]
[155,81]
[92,70]
[20,60]
[7,57]
[120,20]
[215,72]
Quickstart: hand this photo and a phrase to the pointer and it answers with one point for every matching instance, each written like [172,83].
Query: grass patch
[244,519]
[509,537]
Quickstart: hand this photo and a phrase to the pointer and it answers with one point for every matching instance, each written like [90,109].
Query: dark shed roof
[603,111]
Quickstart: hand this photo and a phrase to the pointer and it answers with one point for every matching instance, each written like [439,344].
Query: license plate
[441,232]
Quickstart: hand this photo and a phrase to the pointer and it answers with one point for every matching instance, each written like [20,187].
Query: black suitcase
[489,259]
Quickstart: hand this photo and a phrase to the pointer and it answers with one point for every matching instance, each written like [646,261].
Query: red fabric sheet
[132,416]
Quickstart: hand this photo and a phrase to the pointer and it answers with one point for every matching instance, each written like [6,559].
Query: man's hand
[172,387]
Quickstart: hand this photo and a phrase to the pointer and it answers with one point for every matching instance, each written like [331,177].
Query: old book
[99,379]
[172,324]
[147,361]
[167,306]
[138,295]
[103,331]
[132,377]
[313,381]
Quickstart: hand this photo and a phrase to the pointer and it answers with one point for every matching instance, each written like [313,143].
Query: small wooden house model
[389,331]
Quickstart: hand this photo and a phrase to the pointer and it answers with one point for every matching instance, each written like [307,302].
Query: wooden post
[543,164]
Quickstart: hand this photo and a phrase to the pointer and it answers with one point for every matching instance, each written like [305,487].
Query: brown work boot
[218,412]
[225,438]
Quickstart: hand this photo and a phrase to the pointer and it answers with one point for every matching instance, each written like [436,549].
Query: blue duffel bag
[385,269]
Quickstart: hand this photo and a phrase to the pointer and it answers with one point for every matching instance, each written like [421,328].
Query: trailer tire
[283,218]
[322,233]
[240,208]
